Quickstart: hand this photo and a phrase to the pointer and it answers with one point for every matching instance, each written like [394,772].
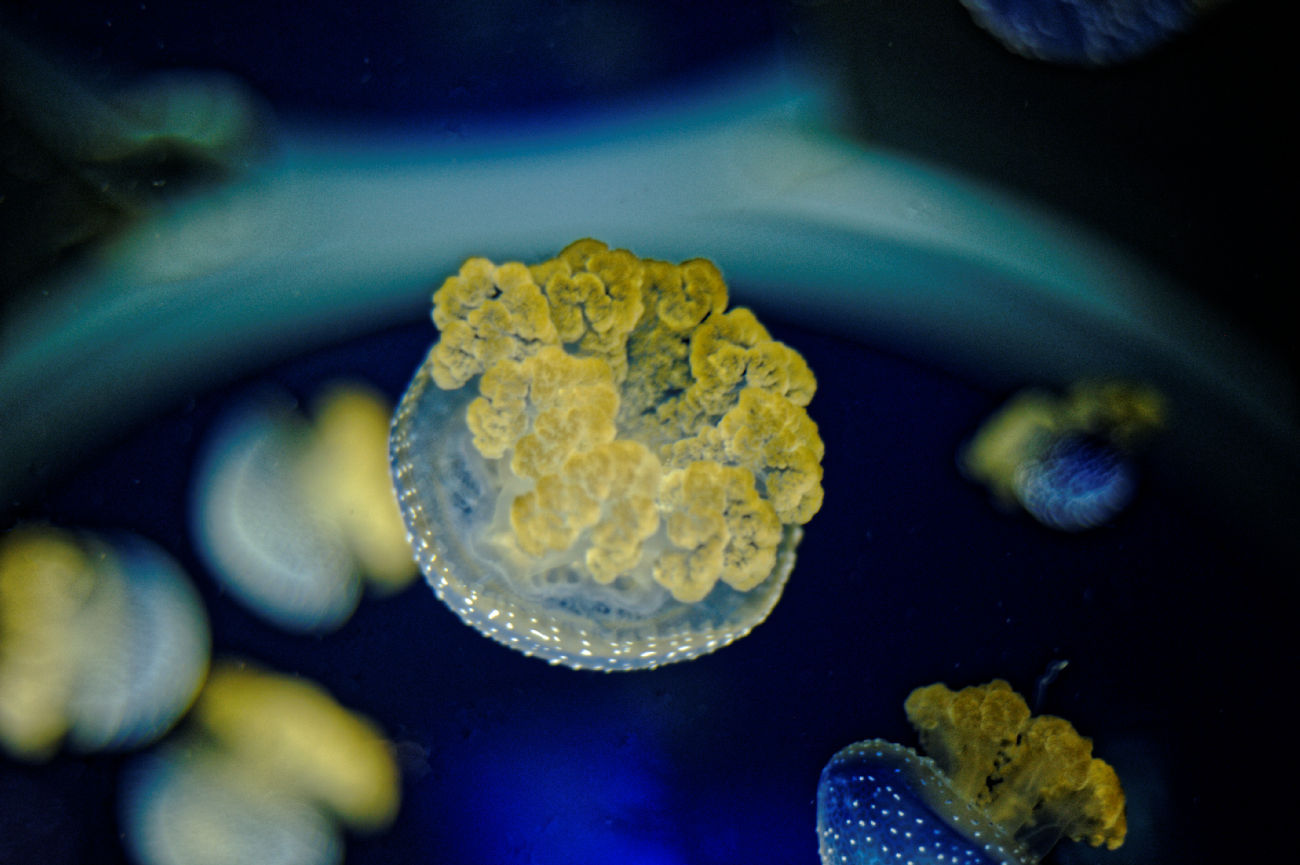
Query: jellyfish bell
[1086,32]
[627,487]
[268,770]
[181,805]
[293,516]
[552,610]
[262,543]
[883,785]
[999,786]
[1077,482]
[145,662]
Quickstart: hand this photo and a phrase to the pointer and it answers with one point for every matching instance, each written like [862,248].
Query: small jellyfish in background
[1068,460]
[626,484]
[267,771]
[103,642]
[294,516]
[1085,32]
[1000,787]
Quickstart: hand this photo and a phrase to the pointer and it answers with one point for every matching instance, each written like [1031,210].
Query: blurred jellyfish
[1085,32]
[268,772]
[999,786]
[1068,461]
[296,735]
[344,469]
[183,805]
[291,516]
[258,536]
[628,485]
[103,643]
[1076,482]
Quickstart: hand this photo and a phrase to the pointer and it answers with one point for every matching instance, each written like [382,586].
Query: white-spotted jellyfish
[601,466]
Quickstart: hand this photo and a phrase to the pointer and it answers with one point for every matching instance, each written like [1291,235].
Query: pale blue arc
[342,233]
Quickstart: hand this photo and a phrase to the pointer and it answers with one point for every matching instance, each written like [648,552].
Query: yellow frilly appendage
[639,427]
[1033,776]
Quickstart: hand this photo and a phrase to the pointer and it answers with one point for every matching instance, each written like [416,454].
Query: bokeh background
[1180,155]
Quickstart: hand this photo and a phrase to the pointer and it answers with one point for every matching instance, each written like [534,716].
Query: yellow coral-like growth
[731,532]
[487,314]
[1029,774]
[638,424]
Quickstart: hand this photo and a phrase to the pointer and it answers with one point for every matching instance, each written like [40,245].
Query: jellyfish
[1085,32]
[269,769]
[293,516]
[1067,460]
[999,787]
[103,642]
[627,482]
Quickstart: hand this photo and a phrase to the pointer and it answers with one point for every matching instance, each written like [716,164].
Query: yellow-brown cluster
[1025,772]
[630,407]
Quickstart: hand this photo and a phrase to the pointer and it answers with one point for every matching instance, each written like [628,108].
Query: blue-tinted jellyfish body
[1001,787]
[1079,481]
[1083,32]
[1069,460]
[881,803]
